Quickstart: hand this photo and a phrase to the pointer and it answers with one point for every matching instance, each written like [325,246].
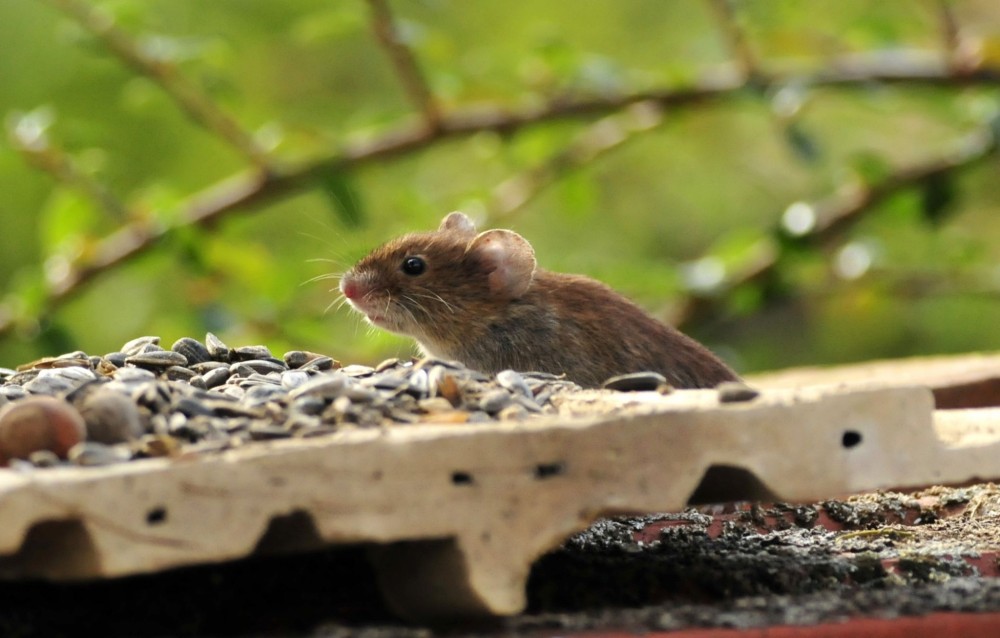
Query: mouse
[481,299]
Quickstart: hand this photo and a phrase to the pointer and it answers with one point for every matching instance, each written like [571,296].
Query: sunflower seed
[180,373]
[116,358]
[127,375]
[292,379]
[136,345]
[358,371]
[494,401]
[91,454]
[198,398]
[157,359]
[324,385]
[248,353]
[218,350]
[736,392]
[192,349]
[513,382]
[635,382]
[321,363]
[44,458]
[216,377]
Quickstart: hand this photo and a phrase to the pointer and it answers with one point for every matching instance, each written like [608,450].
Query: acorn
[110,417]
[39,423]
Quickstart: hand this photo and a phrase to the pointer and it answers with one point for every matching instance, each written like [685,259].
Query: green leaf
[336,21]
[602,75]
[744,300]
[871,167]
[26,294]
[55,337]
[189,245]
[902,209]
[66,222]
[579,193]
[535,146]
[802,143]
[345,198]
[937,197]
[248,263]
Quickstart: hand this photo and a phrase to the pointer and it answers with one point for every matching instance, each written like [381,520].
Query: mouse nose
[350,290]
[349,286]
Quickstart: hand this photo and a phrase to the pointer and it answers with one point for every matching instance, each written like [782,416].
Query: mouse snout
[351,287]
[357,287]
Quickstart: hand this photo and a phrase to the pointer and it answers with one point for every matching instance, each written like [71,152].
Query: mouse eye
[414,266]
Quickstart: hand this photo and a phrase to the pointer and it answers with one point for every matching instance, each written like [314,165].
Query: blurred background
[790,181]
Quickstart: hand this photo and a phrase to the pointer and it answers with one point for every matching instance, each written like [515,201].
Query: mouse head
[434,285]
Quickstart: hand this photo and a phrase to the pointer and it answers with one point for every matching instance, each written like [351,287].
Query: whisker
[324,260]
[323,277]
[336,304]
[436,297]
[409,298]
[339,300]
[329,238]
[412,316]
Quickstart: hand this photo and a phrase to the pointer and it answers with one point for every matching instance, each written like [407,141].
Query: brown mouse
[480,299]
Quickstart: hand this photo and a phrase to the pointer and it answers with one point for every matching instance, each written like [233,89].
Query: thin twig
[54,160]
[735,38]
[405,63]
[833,216]
[598,139]
[191,100]
[951,36]
[836,215]
[254,189]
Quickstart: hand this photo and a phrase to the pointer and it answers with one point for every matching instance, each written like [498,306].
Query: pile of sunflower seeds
[146,400]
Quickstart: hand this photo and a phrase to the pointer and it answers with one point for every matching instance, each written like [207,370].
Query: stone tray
[455,515]
[958,381]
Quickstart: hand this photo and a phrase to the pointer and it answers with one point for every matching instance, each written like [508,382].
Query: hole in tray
[56,550]
[156,516]
[548,470]
[727,483]
[292,532]
[461,478]
[850,439]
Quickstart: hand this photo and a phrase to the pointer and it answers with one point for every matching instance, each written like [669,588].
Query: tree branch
[951,37]
[30,138]
[405,63]
[255,188]
[188,97]
[599,138]
[839,213]
[824,222]
[735,39]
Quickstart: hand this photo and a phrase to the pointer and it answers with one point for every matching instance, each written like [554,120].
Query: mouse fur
[480,298]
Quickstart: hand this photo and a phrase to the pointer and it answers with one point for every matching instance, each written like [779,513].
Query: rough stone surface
[620,577]
[963,381]
[476,505]
[454,496]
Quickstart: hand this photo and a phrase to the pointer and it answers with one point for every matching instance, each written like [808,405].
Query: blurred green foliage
[671,213]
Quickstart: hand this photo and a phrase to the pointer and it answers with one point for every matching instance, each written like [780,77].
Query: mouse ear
[509,259]
[458,222]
